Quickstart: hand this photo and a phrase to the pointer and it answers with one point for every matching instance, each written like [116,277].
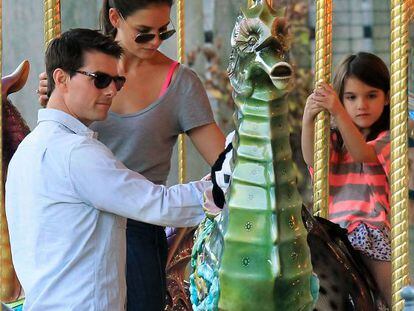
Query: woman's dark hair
[371,70]
[126,8]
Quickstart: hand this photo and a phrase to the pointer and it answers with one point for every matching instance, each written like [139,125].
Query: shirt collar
[66,120]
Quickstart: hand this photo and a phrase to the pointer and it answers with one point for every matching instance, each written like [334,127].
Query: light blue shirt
[67,200]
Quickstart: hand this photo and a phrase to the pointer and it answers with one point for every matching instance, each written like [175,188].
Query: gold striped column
[182,159]
[323,64]
[399,159]
[52,20]
[7,277]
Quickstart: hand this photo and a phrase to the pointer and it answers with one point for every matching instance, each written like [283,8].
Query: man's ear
[114,17]
[61,79]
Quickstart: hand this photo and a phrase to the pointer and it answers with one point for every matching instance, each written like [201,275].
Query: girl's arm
[209,141]
[354,141]
[308,125]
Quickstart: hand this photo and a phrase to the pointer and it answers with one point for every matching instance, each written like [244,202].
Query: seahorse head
[259,56]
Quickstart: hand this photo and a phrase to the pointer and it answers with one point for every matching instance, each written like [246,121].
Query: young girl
[359,157]
[159,100]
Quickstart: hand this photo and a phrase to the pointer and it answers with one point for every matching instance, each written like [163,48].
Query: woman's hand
[206,178]
[42,89]
[210,208]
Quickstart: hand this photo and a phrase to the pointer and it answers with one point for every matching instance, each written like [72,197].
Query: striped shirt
[359,192]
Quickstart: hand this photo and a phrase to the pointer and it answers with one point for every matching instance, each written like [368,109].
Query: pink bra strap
[168,79]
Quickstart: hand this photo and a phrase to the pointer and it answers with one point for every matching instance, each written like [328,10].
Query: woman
[159,100]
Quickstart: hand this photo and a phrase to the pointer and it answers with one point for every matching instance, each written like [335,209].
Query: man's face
[84,100]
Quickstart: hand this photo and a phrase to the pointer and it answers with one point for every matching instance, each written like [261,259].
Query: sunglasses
[147,37]
[103,80]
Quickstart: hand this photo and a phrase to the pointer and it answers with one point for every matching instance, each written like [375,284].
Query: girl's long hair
[371,70]
[127,8]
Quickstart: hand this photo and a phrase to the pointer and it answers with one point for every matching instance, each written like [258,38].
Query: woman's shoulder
[188,81]
[182,72]
[188,73]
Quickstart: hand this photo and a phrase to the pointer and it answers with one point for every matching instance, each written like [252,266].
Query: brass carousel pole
[7,276]
[182,169]
[399,149]
[323,64]
[52,20]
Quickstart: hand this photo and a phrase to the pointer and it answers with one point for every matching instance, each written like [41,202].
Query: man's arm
[105,183]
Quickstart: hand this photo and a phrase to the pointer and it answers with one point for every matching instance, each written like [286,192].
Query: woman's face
[154,19]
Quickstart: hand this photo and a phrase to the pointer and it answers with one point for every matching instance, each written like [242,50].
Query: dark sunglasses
[147,37]
[103,80]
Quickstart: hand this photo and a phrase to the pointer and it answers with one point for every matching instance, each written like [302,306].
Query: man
[67,197]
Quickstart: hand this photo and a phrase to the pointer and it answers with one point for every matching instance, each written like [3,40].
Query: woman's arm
[209,141]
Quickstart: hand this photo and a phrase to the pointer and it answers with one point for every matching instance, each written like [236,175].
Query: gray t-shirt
[144,141]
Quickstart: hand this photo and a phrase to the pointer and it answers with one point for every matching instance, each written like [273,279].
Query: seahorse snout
[281,73]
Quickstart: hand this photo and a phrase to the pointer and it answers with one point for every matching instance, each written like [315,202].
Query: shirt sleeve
[382,148]
[194,106]
[106,184]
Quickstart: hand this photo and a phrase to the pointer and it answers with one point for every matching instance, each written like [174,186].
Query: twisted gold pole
[9,286]
[181,58]
[181,138]
[410,4]
[399,159]
[323,64]
[7,275]
[52,20]
[328,41]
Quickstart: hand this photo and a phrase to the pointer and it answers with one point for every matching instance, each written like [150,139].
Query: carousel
[265,250]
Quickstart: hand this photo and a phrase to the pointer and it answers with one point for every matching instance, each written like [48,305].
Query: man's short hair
[68,50]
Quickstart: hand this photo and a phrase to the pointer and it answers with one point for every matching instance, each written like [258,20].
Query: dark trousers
[147,251]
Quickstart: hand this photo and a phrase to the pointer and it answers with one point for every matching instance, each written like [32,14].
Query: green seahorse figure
[254,255]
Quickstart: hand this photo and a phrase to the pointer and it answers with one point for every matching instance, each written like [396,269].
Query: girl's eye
[162,29]
[350,97]
[372,96]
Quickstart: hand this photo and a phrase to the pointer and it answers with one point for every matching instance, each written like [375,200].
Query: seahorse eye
[252,40]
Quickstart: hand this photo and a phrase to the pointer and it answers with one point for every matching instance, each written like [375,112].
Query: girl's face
[363,103]
[154,19]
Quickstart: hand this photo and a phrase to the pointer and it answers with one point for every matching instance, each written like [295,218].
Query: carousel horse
[180,244]
[14,130]
[264,250]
